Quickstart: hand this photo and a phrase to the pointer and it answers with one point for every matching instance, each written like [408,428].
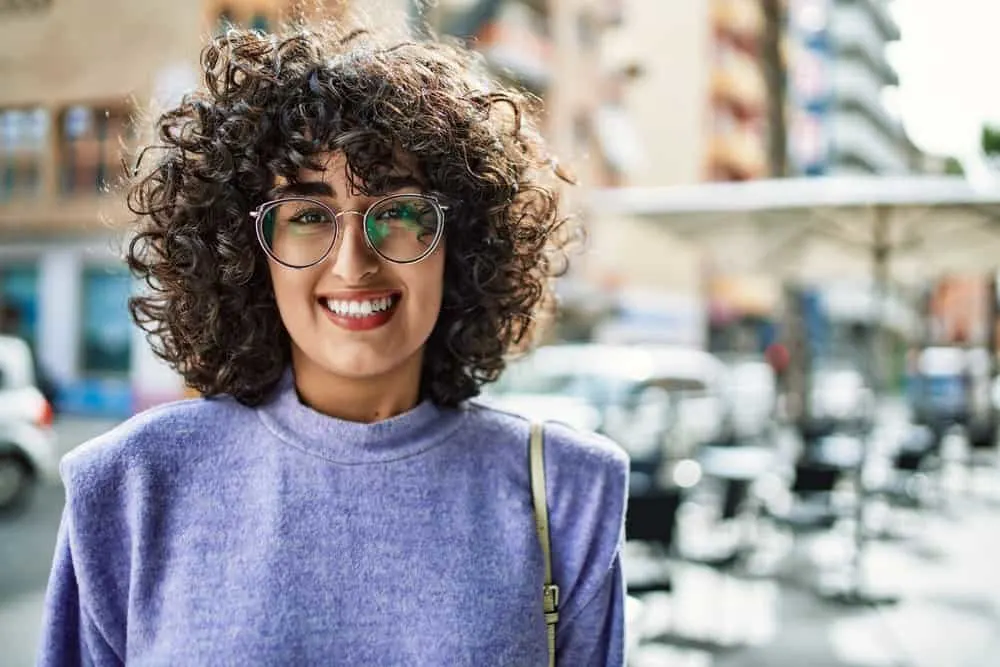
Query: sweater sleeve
[69,636]
[587,483]
[595,637]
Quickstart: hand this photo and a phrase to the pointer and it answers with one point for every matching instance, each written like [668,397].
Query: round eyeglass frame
[439,210]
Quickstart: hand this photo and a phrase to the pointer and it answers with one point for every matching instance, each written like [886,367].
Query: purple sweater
[208,533]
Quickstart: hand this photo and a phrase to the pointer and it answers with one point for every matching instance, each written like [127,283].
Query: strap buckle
[550,598]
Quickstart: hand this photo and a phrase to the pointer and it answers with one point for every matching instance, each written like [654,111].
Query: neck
[365,400]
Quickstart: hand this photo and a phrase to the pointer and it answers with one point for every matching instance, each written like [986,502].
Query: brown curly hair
[272,105]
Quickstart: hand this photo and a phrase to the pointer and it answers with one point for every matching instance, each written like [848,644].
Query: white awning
[818,228]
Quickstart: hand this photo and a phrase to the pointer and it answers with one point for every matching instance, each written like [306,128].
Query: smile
[361,314]
[360,308]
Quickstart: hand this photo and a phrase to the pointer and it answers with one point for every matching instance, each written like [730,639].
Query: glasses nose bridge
[337,215]
[342,231]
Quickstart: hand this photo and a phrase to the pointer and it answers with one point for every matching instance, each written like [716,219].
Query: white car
[840,396]
[575,412]
[28,451]
[623,387]
[752,392]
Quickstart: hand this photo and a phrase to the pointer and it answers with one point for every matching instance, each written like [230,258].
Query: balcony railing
[855,86]
[742,20]
[79,214]
[852,134]
[853,32]
[741,152]
[738,80]
[880,16]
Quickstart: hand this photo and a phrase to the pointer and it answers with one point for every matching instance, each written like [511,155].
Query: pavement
[27,542]
[948,613]
[940,563]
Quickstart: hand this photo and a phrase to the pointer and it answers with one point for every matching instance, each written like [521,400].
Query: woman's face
[355,315]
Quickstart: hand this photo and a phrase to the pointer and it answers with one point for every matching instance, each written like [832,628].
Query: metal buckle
[550,595]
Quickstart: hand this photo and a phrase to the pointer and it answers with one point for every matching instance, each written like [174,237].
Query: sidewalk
[20,629]
[943,568]
[72,430]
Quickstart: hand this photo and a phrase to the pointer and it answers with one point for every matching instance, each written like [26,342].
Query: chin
[356,369]
[358,363]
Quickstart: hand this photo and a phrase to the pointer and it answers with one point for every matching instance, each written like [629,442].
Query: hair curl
[272,105]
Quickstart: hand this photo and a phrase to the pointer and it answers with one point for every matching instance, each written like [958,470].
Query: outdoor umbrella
[897,229]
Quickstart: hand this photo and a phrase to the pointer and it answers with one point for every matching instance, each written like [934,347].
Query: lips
[360,311]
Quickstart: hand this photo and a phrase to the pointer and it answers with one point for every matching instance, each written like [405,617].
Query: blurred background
[787,312]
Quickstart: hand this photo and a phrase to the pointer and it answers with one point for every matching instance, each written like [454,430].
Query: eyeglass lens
[300,232]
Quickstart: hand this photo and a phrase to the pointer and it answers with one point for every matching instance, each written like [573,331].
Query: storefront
[69,300]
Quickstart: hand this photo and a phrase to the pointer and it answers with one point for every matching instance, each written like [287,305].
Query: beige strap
[550,592]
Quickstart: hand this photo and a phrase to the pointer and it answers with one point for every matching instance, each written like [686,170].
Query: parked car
[659,402]
[953,386]
[28,452]
[752,392]
[841,400]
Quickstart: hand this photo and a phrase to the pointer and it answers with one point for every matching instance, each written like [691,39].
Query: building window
[24,6]
[106,331]
[19,302]
[91,147]
[23,139]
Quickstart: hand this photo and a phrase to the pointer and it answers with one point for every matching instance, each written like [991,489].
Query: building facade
[74,87]
[80,80]
[553,50]
[837,74]
[78,93]
[699,105]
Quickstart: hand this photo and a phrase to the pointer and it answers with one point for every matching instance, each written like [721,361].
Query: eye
[399,211]
[310,217]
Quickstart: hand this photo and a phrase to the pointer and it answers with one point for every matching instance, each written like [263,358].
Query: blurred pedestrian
[342,237]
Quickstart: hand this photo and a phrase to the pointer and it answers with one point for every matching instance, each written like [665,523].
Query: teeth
[358,308]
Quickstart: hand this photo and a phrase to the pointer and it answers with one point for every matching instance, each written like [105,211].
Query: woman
[342,241]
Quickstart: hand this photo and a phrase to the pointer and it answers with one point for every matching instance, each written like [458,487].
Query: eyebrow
[305,189]
[324,189]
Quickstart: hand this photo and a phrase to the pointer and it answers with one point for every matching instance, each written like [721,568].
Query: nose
[353,260]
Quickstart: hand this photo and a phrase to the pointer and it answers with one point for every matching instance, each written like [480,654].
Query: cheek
[432,282]
[292,291]
[425,283]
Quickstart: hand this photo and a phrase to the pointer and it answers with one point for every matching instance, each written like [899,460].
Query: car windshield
[597,389]
[594,388]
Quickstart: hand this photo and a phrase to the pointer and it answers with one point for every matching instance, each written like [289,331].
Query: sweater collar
[342,441]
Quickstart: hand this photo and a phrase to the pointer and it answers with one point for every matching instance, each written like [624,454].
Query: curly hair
[272,105]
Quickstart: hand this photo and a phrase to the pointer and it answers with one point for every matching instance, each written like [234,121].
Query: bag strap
[550,592]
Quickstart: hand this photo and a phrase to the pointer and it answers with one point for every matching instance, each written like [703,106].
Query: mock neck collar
[343,441]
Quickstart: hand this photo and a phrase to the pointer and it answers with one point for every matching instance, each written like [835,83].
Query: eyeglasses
[299,232]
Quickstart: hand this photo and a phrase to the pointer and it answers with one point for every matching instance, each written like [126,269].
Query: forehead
[336,172]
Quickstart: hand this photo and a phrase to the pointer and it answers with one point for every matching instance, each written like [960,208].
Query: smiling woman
[264,132]
[343,239]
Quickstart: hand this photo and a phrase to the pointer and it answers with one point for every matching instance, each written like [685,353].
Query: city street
[26,544]
[948,614]
[27,541]
[755,243]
